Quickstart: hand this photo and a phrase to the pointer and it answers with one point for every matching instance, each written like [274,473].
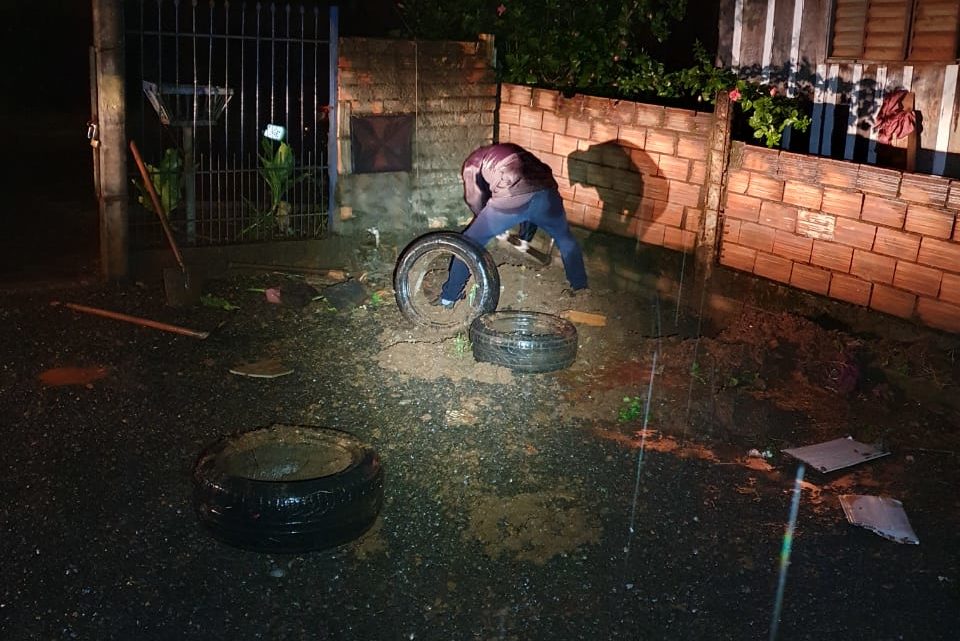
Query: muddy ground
[517,506]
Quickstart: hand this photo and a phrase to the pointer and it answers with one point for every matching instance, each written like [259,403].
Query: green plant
[167,179]
[769,111]
[565,44]
[376,299]
[277,168]
[695,372]
[742,380]
[631,410]
[209,300]
[601,48]
[461,345]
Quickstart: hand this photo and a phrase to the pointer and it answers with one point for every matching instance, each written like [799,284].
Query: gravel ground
[515,508]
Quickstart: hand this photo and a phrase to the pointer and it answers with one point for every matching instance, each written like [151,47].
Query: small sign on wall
[814,224]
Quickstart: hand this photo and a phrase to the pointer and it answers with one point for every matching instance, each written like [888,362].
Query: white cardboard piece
[836,454]
[885,516]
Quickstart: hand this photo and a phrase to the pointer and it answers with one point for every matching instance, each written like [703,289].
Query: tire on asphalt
[288,489]
[528,342]
[422,269]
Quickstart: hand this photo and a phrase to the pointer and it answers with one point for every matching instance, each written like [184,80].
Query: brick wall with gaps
[856,233]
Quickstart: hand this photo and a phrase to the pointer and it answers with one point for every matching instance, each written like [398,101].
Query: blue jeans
[545,210]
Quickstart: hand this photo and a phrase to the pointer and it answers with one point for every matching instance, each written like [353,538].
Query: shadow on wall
[630,203]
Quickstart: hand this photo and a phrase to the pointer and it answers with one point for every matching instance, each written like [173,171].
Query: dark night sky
[45,46]
[45,53]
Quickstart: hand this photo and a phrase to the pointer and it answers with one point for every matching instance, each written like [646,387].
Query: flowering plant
[769,112]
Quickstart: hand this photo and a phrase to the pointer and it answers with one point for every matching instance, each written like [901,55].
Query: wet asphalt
[100,539]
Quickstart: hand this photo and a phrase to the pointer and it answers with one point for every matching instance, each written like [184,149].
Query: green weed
[695,371]
[461,345]
[208,300]
[631,410]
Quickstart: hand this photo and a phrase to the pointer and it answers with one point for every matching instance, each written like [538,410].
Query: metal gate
[229,104]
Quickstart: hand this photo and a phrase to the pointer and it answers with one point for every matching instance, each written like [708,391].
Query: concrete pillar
[111,114]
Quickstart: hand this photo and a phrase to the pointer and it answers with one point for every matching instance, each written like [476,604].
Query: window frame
[910,35]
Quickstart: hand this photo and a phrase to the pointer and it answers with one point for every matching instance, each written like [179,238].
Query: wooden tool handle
[161,213]
[137,320]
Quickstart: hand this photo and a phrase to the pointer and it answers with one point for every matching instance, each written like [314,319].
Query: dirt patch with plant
[764,380]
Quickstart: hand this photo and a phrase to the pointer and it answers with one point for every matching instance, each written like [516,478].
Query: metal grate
[187,105]
[256,63]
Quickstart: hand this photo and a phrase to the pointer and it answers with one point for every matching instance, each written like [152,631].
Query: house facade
[846,56]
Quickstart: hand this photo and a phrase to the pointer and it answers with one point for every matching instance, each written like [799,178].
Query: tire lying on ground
[422,269]
[524,341]
[288,488]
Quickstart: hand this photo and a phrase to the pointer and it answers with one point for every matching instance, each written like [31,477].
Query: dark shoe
[583,292]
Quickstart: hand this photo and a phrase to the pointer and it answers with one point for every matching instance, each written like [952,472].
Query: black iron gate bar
[285,87]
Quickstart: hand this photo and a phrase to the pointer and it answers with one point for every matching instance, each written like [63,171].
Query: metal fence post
[332,151]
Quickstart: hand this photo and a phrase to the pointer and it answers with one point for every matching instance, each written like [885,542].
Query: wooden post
[111,112]
[910,164]
[718,153]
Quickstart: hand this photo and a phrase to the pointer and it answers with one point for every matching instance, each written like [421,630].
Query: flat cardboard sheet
[885,516]
[836,454]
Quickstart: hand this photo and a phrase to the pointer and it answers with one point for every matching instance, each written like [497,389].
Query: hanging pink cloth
[894,120]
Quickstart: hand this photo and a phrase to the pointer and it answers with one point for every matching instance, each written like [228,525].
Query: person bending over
[505,185]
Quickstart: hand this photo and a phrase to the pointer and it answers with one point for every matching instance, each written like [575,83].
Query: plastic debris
[266,368]
[836,454]
[291,294]
[60,376]
[346,295]
[884,516]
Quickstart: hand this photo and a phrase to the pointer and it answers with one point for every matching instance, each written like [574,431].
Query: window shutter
[888,22]
[849,22]
[934,33]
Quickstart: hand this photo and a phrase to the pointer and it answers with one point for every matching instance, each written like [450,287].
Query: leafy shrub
[600,48]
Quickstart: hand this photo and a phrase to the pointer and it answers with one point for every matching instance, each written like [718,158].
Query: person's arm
[475,192]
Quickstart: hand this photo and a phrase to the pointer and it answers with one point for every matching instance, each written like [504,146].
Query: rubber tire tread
[528,342]
[477,259]
[289,516]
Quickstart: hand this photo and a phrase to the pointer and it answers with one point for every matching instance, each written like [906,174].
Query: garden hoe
[182,287]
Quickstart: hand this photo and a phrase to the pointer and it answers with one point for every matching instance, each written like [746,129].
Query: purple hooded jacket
[505,175]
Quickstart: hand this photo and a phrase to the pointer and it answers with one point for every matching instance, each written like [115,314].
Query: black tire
[528,342]
[422,269]
[288,489]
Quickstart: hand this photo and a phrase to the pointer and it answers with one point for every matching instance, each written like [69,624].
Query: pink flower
[502,9]
[773,91]
[734,94]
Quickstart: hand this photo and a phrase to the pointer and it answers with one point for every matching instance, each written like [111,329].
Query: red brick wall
[856,233]
[626,168]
